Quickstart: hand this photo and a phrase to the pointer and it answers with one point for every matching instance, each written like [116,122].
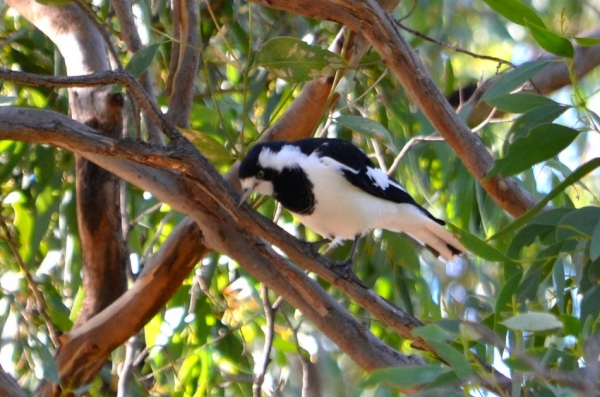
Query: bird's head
[264,164]
[255,174]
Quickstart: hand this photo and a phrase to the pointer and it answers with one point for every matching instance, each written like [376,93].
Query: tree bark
[104,252]
[8,386]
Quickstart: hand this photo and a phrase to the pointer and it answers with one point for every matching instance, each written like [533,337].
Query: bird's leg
[344,269]
[315,245]
[353,250]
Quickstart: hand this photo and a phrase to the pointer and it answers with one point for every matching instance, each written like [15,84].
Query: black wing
[358,170]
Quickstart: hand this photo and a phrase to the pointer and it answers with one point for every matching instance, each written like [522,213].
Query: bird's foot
[343,269]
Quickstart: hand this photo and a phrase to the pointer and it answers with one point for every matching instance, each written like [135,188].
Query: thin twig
[413,8]
[127,366]
[379,155]
[144,213]
[306,383]
[415,140]
[486,121]
[157,235]
[269,336]
[39,298]
[452,47]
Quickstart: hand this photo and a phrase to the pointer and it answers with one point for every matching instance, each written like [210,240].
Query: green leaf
[544,223]
[533,321]
[405,377]
[595,246]
[477,246]
[587,41]
[535,117]
[520,102]
[542,142]
[590,303]
[455,359]
[513,79]
[446,380]
[433,333]
[507,291]
[558,282]
[572,325]
[578,224]
[48,365]
[551,42]
[515,11]
[369,128]
[209,146]
[141,60]
[571,179]
[517,364]
[59,3]
[295,61]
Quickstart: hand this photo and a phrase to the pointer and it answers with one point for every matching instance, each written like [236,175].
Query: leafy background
[530,285]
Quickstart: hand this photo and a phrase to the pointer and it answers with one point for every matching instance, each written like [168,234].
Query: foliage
[527,297]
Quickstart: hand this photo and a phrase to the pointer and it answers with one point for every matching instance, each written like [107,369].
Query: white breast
[342,210]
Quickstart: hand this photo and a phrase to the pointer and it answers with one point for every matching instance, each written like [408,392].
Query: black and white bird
[333,188]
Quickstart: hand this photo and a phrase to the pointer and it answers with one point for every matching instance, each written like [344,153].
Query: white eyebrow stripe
[288,157]
[382,179]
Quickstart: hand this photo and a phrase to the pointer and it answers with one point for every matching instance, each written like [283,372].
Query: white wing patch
[288,157]
[336,165]
[381,179]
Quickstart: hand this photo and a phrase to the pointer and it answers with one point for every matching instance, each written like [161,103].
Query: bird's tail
[437,238]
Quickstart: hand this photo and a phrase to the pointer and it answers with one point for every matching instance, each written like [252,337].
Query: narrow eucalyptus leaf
[141,60]
[295,61]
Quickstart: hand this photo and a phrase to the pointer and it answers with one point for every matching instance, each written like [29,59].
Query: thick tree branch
[186,58]
[8,386]
[104,253]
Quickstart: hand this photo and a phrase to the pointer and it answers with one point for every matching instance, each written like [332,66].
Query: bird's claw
[313,247]
[343,269]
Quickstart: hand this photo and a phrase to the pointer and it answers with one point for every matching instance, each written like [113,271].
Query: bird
[334,189]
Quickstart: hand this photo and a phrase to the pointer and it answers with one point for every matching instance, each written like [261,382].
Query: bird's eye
[260,174]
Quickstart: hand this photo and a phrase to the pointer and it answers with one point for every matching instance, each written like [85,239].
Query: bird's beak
[246,192]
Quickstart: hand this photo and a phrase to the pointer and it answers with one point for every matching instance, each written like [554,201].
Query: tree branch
[8,386]
[186,58]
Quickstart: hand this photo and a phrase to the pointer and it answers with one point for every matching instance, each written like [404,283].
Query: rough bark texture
[103,250]
[185,59]
[8,386]
[99,218]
